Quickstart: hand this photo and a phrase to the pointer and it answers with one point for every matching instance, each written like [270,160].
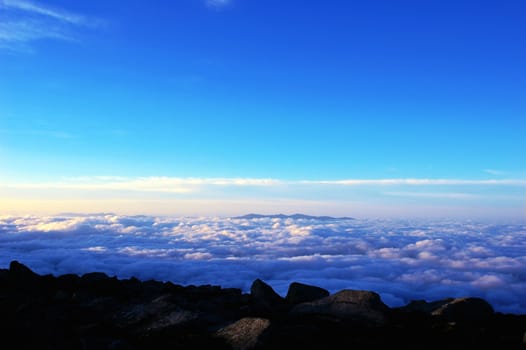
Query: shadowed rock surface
[301,293]
[96,311]
[351,305]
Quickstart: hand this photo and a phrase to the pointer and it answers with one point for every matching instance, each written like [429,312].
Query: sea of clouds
[402,260]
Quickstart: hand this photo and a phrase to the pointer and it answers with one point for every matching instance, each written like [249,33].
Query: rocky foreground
[96,311]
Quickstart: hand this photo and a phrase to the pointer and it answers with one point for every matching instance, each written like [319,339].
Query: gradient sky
[222,107]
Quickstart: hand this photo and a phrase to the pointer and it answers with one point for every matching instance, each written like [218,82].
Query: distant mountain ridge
[293,216]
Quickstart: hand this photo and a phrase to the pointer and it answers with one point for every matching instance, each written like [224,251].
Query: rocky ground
[96,311]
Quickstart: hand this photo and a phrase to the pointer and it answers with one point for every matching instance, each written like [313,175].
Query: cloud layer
[402,260]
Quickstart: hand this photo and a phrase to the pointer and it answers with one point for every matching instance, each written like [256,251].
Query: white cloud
[177,184]
[32,7]
[450,195]
[494,172]
[421,182]
[146,184]
[218,3]
[402,260]
[23,22]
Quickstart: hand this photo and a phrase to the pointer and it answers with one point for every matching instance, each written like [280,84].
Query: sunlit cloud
[450,195]
[176,184]
[148,184]
[420,182]
[162,195]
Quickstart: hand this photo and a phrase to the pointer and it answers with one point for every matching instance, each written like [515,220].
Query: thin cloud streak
[417,182]
[218,3]
[60,15]
[148,184]
[451,195]
[178,184]
[23,22]
[21,31]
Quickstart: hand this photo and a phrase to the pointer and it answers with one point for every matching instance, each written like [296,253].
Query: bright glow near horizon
[338,107]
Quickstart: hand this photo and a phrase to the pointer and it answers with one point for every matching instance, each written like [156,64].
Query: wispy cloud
[494,172]
[147,184]
[448,195]
[23,22]
[185,185]
[420,182]
[218,3]
[31,7]
[47,133]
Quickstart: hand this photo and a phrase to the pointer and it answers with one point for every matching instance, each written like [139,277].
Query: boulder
[349,305]
[426,307]
[245,333]
[301,293]
[465,309]
[22,278]
[264,294]
[21,271]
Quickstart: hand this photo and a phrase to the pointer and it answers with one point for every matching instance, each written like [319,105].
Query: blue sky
[224,107]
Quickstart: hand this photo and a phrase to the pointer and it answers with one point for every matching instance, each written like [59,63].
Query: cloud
[450,195]
[162,195]
[218,3]
[146,184]
[494,172]
[401,260]
[421,182]
[23,22]
[176,184]
[34,8]
[57,134]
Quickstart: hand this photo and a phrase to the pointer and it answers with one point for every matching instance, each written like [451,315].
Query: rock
[94,277]
[301,293]
[20,271]
[465,309]
[245,333]
[425,306]
[96,311]
[349,305]
[141,313]
[453,310]
[22,277]
[4,276]
[171,319]
[264,294]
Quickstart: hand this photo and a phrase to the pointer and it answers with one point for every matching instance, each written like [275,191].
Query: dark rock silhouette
[351,305]
[301,293]
[97,311]
[264,294]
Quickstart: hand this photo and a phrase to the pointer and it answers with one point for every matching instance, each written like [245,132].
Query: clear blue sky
[99,98]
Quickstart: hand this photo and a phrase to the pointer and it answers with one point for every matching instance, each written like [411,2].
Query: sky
[401,260]
[224,107]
